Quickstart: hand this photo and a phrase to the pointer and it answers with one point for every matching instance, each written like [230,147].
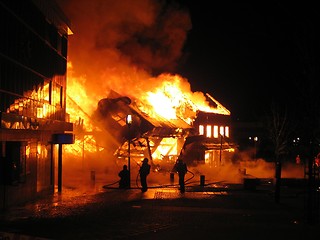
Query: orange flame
[168,96]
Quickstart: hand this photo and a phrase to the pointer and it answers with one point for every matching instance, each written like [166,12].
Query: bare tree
[279,129]
[306,42]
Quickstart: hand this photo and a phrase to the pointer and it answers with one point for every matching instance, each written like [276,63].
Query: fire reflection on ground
[76,196]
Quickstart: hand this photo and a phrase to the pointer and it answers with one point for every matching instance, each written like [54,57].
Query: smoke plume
[119,45]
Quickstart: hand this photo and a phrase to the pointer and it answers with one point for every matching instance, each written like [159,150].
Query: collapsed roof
[147,129]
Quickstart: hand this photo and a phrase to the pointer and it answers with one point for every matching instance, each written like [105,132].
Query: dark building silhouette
[34,123]
[212,142]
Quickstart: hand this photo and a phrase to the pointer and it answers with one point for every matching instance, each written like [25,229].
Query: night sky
[247,55]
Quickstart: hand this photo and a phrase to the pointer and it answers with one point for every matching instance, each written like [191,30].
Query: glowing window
[209,131]
[215,131]
[227,133]
[221,131]
[201,130]
[45,91]
[56,94]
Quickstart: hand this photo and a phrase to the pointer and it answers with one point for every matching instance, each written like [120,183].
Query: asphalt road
[219,212]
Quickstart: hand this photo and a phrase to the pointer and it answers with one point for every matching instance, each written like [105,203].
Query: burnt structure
[34,123]
[206,140]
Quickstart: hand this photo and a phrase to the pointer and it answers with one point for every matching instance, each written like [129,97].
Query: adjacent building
[34,123]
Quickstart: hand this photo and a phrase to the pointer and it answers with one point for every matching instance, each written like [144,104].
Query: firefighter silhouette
[144,172]
[181,168]
[124,177]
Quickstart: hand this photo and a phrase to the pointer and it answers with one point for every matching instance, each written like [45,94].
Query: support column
[60,168]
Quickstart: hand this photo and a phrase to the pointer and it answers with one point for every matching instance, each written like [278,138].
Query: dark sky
[247,54]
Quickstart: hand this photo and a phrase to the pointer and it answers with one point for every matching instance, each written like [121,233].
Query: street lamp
[129,122]
[255,140]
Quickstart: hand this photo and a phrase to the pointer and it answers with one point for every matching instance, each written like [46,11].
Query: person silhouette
[144,172]
[181,168]
[124,177]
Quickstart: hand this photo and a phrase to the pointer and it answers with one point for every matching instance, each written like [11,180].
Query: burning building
[34,122]
[198,132]
[121,64]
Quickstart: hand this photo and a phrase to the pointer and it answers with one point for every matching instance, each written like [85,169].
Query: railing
[28,107]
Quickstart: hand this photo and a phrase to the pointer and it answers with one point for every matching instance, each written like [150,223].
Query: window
[221,131]
[227,132]
[56,93]
[201,129]
[215,131]
[209,131]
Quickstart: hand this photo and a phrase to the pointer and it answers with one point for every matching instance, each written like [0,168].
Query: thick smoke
[119,45]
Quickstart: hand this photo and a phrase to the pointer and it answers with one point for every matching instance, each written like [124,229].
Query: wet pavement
[216,211]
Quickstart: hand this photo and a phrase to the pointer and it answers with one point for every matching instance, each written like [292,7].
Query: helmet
[145,160]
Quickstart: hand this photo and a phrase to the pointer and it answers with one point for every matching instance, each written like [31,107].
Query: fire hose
[186,181]
[108,186]
[166,185]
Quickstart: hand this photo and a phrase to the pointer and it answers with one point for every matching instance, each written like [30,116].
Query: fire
[79,103]
[36,102]
[169,100]
[169,97]
[167,147]
[115,49]
[173,99]
[80,106]
[158,100]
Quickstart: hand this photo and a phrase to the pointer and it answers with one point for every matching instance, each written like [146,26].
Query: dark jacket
[181,167]
[144,169]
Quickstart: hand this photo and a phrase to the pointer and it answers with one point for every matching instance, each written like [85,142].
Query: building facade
[34,123]
[212,142]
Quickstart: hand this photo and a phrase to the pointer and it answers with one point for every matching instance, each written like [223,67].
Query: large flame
[169,98]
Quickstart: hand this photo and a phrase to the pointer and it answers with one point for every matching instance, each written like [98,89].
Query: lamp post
[221,136]
[255,139]
[129,122]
